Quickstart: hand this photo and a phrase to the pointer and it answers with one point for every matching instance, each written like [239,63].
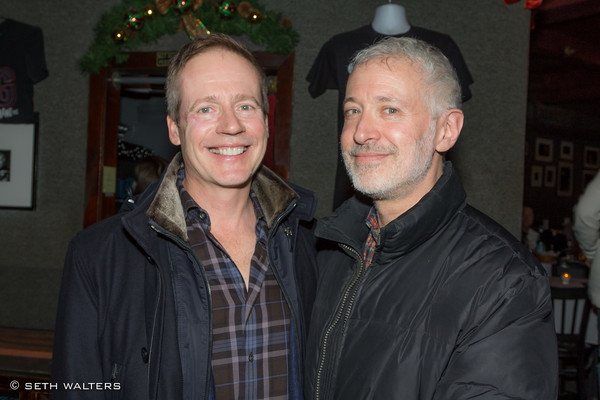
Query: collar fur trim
[273,193]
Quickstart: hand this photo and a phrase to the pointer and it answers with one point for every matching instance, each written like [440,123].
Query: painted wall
[493,39]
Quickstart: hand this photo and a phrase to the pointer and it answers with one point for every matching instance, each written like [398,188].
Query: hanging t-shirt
[22,64]
[330,71]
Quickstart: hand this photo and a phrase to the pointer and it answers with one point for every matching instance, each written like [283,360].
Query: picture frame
[566,150]
[537,175]
[18,165]
[591,157]
[564,176]
[550,176]
[587,177]
[544,149]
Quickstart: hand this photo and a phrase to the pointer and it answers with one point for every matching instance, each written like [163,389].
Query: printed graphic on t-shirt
[8,93]
[22,65]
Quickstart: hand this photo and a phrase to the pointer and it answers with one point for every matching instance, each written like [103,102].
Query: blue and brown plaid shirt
[251,327]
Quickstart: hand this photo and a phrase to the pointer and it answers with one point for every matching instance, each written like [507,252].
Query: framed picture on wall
[550,176]
[544,149]
[564,176]
[537,175]
[566,150]
[587,177]
[17,165]
[591,157]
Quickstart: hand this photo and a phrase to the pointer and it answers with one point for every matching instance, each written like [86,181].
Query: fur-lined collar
[273,193]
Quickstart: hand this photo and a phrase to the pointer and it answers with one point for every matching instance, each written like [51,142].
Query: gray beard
[401,187]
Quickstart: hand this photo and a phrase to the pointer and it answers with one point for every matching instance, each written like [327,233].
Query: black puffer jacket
[117,321]
[452,307]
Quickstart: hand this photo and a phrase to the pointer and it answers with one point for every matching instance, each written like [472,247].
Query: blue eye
[205,110]
[390,110]
[246,107]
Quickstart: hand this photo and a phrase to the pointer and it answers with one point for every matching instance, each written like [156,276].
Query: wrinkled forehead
[219,70]
[225,60]
[387,71]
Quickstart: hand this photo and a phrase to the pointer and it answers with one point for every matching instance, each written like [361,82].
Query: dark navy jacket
[119,322]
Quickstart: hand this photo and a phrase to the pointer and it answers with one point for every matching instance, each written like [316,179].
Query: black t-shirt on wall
[22,64]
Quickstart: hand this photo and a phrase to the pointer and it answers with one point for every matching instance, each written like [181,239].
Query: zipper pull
[144,355]
[115,372]
[290,237]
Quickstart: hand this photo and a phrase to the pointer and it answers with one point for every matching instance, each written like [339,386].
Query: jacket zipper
[114,374]
[186,247]
[290,237]
[342,313]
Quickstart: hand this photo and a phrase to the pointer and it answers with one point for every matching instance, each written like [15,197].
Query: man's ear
[267,125]
[173,131]
[449,126]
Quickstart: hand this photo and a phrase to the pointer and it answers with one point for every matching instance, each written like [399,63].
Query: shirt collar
[373,225]
[191,208]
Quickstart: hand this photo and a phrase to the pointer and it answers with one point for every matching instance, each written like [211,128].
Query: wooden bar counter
[25,360]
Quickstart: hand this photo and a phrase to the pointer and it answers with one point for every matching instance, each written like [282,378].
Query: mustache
[371,148]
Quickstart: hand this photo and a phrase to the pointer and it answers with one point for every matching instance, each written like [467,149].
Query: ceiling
[564,69]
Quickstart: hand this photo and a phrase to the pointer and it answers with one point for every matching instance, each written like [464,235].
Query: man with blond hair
[200,290]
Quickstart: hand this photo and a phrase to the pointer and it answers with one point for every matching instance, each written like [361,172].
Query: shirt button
[202,215]
[251,357]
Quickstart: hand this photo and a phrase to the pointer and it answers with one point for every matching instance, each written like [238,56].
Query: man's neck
[227,207]
[389,210]
[232,221]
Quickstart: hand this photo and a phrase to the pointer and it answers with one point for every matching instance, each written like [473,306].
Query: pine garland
[271,30]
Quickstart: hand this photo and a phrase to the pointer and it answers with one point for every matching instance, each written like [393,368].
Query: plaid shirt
[251,327]
[373,237]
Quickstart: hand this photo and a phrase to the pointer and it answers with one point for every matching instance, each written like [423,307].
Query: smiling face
[388,140]
[222,131]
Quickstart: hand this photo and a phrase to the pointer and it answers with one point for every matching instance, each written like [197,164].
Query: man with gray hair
[420,296]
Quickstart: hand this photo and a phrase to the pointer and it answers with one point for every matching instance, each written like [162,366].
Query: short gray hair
[443,88]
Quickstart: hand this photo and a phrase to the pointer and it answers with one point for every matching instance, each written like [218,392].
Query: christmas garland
[134,22]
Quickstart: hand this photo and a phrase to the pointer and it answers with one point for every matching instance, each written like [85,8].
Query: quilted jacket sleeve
[511,353]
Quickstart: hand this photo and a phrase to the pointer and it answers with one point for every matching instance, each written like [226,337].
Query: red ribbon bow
[530,4]
[193,26]
[163,5]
